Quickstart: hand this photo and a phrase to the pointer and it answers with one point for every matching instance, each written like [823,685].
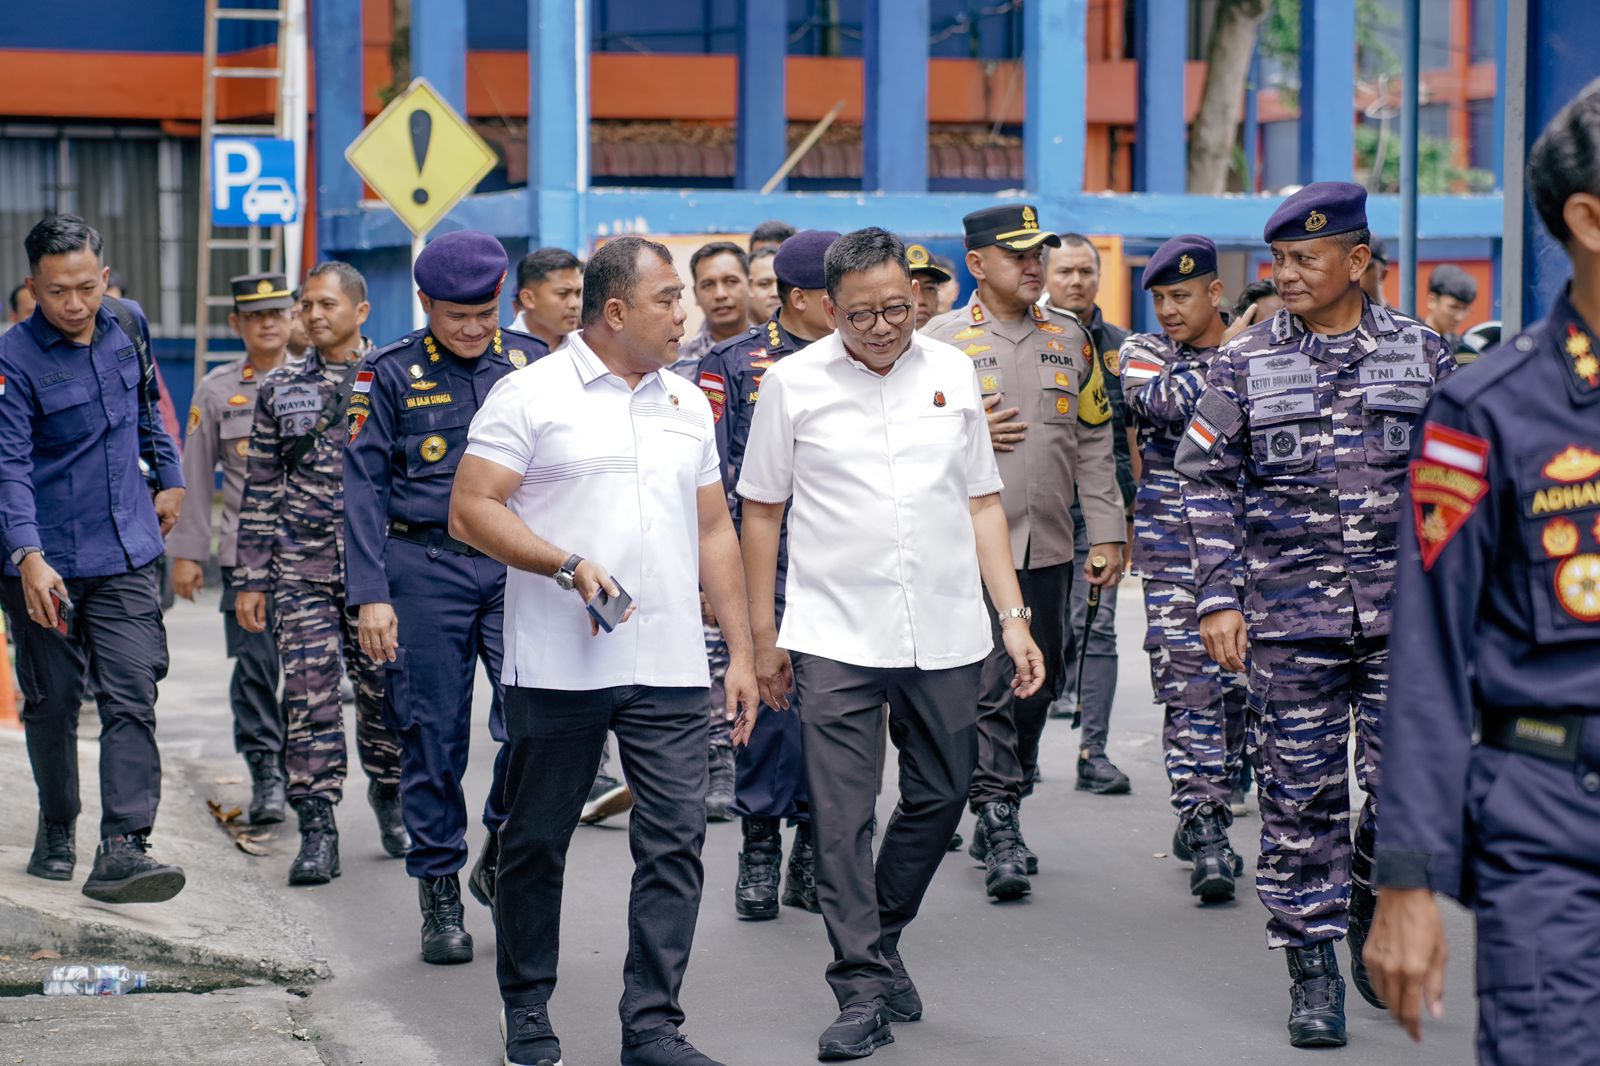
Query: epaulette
[405,341]
[1496,364]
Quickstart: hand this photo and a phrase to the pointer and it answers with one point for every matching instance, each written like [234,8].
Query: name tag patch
[435,400]
[1374,374]
[295,399]
[1265,384]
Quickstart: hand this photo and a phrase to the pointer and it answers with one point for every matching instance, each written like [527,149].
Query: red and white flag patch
[1139,370]
[1453,448]
[2,384]
[1202,432]
[363,381]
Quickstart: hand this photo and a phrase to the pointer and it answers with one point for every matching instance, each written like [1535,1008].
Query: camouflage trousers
[312,630]
[720,729]
[1303,697]
[1202,733]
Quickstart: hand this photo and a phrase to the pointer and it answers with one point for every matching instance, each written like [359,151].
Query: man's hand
[774,676]
[168,503]
[1112,573]
[1242,322]
[707,615]
[39,579]
[380,631]
[588,580]
[744,698]
[1226,640]
[1004,434]
[1025,656]
[1406,954]
[188,578]
[251,610]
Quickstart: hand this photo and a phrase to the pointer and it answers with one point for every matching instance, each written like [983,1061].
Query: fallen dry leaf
[44,953]
[231,819]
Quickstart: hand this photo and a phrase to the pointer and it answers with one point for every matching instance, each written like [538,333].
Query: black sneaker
[903,1004]
[755,893]
[385,800]
[1099,775]
[55,854]
[486,871]
[1316,997]
[608,797]
[719,796]
[860,1029]
[123,873]
[1362,905]
[670,1050]
[445,940]
[528,1037]
[1205,835]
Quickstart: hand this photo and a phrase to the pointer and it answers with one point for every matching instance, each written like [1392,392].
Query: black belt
[1542,734]
[434,538]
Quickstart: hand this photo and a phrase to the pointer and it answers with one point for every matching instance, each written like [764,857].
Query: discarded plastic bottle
[93,981]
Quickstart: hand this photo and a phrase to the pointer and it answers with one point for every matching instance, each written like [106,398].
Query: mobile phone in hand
[64,613]
[607,610]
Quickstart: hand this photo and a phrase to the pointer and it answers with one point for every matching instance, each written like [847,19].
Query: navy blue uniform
[408,430]
[72,430]
[1497,620]
[769,771]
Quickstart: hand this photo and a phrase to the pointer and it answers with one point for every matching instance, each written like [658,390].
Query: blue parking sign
[253,182]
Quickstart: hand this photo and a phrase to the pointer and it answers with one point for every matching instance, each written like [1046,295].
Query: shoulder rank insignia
[247,373]
[774,338]
[1573,464]
[1585,363]
[517,357]
[1037,311]
[432,348]
[975,312]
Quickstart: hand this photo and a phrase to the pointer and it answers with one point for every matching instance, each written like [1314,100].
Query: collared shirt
[218,434]
[1296,460]
[883,565]
[72,432]
[612,474]
[1044,365]
[408,431]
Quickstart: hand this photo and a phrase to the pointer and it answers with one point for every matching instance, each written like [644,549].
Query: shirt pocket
[1564,566]
[1058,394]
[433,440]
[64,414]
[1285,433]
[1389,416]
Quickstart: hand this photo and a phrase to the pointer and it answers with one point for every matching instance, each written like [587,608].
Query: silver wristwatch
[569,569]
[1024,613]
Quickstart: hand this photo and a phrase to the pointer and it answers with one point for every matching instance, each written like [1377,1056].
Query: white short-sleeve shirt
[883,564]
[612,474]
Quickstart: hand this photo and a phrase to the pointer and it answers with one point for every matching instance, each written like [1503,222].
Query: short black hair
[716,248]
[862,249]
[16,292]
[1565,160]
[1078,240]
[350,279]
[542,262]
[613,273]
[1253,293]
[60,235]
[771,230]
[764,253]
[115,280]
[1350,238]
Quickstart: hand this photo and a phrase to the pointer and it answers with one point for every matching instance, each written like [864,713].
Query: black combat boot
[755,895]
[978,850]
[1362,904]
[318,861]
[1316,998]
[1205,836]
[904,1003]
[486,871]
[267,799]
[1029,859]
[123,873]
[54,853]
[719,796]
[800,879]
[385,800]
[1181,852]
[1006,871]
[445,939]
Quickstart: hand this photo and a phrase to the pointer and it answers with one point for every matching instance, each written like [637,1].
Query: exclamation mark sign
[421,133]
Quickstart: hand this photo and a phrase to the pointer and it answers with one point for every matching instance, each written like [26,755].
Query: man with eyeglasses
[1049,420]
[878,435]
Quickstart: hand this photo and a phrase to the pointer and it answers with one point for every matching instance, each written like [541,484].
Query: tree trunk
[1216,124]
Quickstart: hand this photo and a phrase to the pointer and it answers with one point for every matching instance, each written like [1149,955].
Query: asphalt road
[1108,961]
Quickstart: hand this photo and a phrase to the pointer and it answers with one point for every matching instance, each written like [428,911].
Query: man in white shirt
[591,463]
[879,435]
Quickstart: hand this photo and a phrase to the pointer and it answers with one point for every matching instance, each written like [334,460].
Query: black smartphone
[607,610]
[64,614]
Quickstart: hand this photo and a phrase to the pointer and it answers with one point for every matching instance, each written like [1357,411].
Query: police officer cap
[1181,258]
[261,292]
[1013,226]
[798,262]
[922,265]
[464,267]
[1321,209]
[1448,279]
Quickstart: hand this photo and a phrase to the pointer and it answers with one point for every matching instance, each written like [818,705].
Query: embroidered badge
[1443,496]
[1578,587]
[1186,265]
[241,447]
[1560,537]
[1315,221]
[358,418]
[415,370]
[1585,364]
[364,380]
[433,449]
[977,349]
[1572,464]
[238,399]
[194,419]
[989,383]
[1062,380]
[424,386]
[248,373]
[1454,448]
[968,333]
[518,358]
[1063,405]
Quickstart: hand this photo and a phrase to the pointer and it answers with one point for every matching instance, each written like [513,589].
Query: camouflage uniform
[1203,730]
[291,545]
[1307,437]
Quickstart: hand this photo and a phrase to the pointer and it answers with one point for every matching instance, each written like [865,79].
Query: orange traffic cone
[8,688]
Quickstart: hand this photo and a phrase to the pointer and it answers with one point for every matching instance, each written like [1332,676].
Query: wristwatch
[23,552]
[1024,613]
[568,569]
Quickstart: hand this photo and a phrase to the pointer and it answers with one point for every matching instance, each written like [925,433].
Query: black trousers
[258,713]
[555,738]
[1008,728]
[117,634]
[931,720]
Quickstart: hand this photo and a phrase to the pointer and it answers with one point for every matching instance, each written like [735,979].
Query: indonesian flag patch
[1446,486]
[363,381]
[1202,433]
[2,384]
[716,389]
[1453,448]
[1140,370]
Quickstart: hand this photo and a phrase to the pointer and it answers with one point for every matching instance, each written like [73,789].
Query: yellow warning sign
[420,156]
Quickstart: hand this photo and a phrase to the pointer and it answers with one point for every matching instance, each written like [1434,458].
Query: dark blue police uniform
[1497,620]
[408,431]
